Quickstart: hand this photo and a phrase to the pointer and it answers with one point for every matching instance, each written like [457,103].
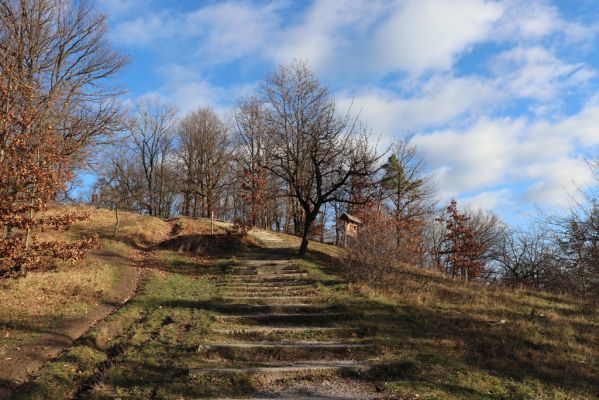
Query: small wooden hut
[351,226]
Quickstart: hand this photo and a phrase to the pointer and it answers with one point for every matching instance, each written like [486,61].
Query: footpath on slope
[18,365]
[275,327]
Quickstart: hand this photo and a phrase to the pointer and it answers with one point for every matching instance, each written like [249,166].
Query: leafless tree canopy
[313,148]
[204,153]
[60,49]
[151,129]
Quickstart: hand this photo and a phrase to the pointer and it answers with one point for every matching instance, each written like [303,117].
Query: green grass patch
[148,341]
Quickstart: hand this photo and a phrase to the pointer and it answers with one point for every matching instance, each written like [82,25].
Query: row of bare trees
[288,153]
[288,160]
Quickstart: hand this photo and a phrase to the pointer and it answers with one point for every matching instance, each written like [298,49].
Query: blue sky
[500,97]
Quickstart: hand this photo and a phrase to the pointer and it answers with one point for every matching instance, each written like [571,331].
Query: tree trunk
[118,221]
[307,224]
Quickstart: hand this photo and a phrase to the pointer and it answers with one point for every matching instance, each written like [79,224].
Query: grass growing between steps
[147,343]
[450,340]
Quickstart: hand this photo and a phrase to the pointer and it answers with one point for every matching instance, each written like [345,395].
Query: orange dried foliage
[32,170]
[462,250]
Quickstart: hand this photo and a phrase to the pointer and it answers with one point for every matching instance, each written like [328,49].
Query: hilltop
[430,337]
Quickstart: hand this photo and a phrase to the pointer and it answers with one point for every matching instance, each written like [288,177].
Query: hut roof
[350,218]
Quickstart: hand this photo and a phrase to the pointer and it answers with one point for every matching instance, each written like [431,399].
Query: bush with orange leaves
[371,256]
[32,171]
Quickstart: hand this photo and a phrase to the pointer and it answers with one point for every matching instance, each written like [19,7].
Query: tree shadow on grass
[510,350]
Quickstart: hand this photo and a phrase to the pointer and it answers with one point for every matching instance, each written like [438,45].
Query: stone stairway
[272,326]
[271,240]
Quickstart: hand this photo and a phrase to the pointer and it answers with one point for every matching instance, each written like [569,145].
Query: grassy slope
[448,339]
[438,336]
[43,300]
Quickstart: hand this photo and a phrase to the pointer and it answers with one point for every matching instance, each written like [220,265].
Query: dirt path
[15,367]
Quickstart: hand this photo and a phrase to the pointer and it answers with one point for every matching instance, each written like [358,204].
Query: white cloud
[187,89]
[327,31]
[488,200]
[535,72]
[557,181]
[583,127]
[542,155]
[143,31]
[216,33]
[535,19]
[477,158]
[430,34]
[438,101]
[230,30]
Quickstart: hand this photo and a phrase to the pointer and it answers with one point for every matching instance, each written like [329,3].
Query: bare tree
[60,48]
[151,130]
[255,181]
[525,256]
[489,230]
[204,152]
[311,147]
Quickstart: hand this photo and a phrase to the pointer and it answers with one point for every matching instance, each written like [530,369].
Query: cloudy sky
[500,97]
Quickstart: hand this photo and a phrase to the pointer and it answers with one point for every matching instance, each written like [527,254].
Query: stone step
[286,318]
[264,263]
[252,266]
[261,291]
[261,351]
[283,345]
[253,294]
[265,270]
[329,333]
[280,369]
[267,284]
[263,273]
[281,300]
[295,396]
[258,286]
[270,308]
[267,330]
[266,277]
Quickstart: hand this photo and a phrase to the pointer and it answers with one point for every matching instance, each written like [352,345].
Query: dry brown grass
[190,226]
[134,229]
[487,340]
[44,299]
[41,300]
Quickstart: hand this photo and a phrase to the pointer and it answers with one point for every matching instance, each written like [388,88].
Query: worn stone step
[281,300]
[284,369]
[286,318]
[265,262]
[266,330]
[283,345]
[283,333]
[266,276]
[266,284]
[301,397]
[273,290]
[256,286]
[263,271]
[285,351]
[270,308]
[271,293]
[269,264]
